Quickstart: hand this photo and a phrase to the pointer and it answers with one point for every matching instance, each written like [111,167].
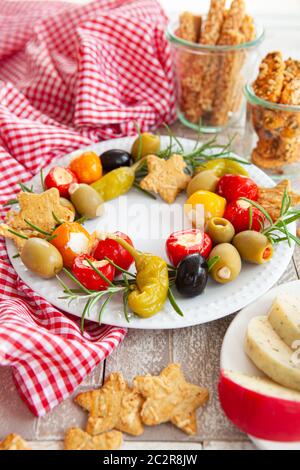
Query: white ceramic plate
[138,215]
[234,358]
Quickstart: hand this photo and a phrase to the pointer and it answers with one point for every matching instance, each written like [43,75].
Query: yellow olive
[220,230]
[87,201]
[68,204]
[206,180]
[229,265]
[253,247]
[147,144]
[41,257]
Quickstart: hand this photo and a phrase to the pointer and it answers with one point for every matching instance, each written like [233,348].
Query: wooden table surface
[198,350]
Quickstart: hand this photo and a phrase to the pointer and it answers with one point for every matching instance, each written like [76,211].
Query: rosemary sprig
[123,286]
[138,130]
[125,304]
[174,137]
[18,234]
[10,202]
[174,304]
[250,217]
[42,179]
[57,220]
[201,154]
[99,273]
[119,268]
[278,231]
[25,188]
[37,229]
[102,308]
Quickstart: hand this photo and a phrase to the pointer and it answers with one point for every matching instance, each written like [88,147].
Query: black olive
[112,159]
[192,275]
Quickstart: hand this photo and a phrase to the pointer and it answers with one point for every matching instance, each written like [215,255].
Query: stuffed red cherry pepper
[108,248]
[88,277]
[233,187]
[186,242]
[244,216]
[60,178]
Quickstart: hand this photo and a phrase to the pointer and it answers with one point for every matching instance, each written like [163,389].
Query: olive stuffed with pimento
[253,247]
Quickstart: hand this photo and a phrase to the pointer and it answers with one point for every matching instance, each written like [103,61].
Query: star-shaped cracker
[39,209]
[271,198]
[113,406]
[14,442]
[77,439]
[166,177]
[170,398]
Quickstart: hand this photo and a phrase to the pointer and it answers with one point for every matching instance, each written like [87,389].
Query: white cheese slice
[263,386]
[284,317]
[270,354]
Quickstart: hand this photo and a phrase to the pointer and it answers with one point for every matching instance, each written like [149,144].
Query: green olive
[253,247]
[229,265]
[220,230]
[144,145]
[87,201]
[206,180]
[68,204]
[41,257]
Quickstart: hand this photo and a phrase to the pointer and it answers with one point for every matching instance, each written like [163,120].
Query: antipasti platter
[137,215]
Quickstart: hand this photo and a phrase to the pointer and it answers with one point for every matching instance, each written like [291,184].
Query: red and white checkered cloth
[69,75]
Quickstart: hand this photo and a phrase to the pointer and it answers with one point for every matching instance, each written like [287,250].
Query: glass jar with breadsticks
[273,114]
[214,56]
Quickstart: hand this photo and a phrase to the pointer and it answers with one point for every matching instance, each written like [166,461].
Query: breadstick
[210,36]
[189,66]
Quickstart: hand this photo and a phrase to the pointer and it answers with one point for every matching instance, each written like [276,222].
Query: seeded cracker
[37,209]
[269,82]
[166,177]
[291,92]
[270,198]
[77,439]
[113,406]
[170,398]
[14,442]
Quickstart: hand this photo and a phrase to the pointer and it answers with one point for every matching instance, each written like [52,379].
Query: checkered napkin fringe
[69,75]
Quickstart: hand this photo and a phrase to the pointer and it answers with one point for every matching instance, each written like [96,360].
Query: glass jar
[272,138]
[211,79]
